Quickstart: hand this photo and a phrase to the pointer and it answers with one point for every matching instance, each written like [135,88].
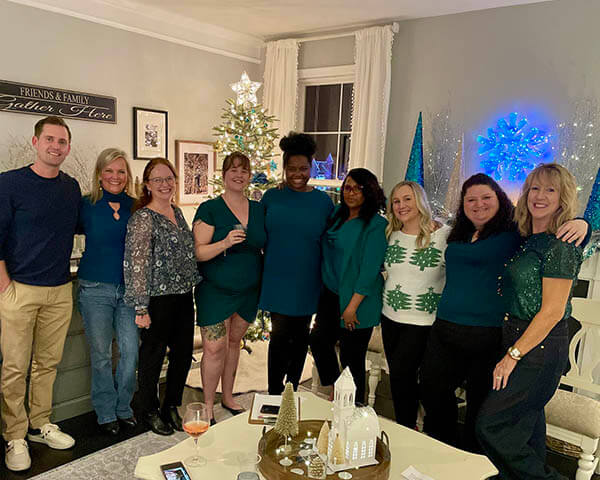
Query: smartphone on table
[269,409]
[175,471]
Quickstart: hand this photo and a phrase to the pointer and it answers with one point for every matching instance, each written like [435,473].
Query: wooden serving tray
[271,469]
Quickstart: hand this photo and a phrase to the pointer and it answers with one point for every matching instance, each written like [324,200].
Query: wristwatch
[514,353]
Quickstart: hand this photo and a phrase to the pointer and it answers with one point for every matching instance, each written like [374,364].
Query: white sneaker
[17,455]
[51,435]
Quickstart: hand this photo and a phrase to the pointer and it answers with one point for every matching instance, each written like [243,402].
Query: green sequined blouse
[541,255]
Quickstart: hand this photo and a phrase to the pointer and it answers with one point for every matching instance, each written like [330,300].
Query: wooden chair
[574,417]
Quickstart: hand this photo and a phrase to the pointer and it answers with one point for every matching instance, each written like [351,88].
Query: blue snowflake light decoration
[512,149]
[322,170]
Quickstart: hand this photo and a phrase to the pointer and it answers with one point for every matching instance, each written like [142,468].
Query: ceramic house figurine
[357,427]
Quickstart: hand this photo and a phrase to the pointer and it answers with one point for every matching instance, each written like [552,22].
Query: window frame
[309,77]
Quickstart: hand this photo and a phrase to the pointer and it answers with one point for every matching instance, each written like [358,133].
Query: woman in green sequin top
[537,287]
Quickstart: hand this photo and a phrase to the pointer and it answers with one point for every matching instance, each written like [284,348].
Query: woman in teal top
[103,218]
[350,305]
[295,219]
[229,234]
[537,287]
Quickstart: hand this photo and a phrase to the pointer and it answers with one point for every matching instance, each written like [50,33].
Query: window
[325,113]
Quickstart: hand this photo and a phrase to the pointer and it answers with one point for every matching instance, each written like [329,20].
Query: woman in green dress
[537,286]
[229,234]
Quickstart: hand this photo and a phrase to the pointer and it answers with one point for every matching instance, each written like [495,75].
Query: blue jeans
[104,311]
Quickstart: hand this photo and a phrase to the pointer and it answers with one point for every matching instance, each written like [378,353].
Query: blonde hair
[561,179]
[425,216]
[106,157]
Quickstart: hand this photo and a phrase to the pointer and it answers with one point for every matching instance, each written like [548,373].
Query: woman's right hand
[234,237]
[143,321]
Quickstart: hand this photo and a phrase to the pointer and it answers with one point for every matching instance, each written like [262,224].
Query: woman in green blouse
[537,287]
[229,233]
[350,305]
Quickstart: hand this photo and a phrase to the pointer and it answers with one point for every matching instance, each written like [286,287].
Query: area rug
[252,370]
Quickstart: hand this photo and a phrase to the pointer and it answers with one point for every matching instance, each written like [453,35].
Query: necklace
[115,206]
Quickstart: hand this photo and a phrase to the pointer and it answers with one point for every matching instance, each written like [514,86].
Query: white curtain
[372,83]
[281,86]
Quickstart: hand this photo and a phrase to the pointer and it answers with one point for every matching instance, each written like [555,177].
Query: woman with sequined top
[537,286]
[160,272]
[465,341]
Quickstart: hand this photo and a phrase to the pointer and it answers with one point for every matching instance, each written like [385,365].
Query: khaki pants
[34,323]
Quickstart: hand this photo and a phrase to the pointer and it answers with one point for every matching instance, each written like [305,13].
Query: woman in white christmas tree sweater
[415,267]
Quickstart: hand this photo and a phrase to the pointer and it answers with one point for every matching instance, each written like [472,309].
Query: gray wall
[48,49]
[541,60]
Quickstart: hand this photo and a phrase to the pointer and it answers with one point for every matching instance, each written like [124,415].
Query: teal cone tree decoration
[414,171]
[592,215]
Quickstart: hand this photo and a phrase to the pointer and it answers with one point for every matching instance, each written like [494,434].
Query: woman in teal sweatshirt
[351,300]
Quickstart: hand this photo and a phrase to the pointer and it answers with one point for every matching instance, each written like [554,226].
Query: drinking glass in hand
[195,423]
[239,226]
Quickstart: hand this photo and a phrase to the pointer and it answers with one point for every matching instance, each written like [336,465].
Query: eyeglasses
[353,189]
[160,180]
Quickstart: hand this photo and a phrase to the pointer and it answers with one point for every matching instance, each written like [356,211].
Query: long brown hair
[145,197]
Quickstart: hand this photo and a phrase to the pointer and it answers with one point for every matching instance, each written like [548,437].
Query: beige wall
[43,48]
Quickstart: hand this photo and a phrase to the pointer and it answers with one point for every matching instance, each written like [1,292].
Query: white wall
[43,48]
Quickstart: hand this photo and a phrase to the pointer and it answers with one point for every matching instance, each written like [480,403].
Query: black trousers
[511,425]
[326,332]
[457,353]
[404,347]
[172,325]
[288,346]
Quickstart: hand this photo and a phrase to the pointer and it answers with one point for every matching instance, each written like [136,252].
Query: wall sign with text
[36,100]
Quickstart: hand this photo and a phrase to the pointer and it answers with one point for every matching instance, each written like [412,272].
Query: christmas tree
[246,127]
[394,254]
[337,452]
[323,440]
[397,299]
[287,419]
[428,302]
[316,468]
[426,257]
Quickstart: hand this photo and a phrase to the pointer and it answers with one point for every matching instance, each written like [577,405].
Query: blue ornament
[414,171]
[260,178]
[512,152]
[273,165]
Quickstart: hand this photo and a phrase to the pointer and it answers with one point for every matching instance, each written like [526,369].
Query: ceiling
[250,22]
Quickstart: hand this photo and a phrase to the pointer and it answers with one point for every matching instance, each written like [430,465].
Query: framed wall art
[195,163]
[150,134]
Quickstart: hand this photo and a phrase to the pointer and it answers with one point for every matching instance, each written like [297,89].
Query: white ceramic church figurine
[358,427]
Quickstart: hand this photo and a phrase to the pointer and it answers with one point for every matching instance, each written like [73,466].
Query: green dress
[231,280]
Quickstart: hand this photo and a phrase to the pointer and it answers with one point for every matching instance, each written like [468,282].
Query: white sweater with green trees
[415,277]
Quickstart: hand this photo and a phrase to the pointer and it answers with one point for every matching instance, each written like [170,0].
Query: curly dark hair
[372,192]
[297,144]
[463,229]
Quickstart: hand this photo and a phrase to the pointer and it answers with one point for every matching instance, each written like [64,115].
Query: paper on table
[411,473]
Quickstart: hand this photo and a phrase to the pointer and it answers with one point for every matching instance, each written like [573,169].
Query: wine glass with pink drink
[195,423]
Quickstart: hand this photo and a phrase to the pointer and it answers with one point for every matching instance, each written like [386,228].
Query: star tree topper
[245,90]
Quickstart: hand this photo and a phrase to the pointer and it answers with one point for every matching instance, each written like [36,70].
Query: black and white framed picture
[195,163]
[150,134]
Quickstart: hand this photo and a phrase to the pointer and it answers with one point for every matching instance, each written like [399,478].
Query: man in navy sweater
[38,216]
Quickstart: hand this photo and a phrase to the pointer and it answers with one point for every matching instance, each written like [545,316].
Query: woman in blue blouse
[103,218]
[350,306]
[537,286]
[296,217]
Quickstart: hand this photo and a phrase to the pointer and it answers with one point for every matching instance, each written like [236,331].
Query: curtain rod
[395,28]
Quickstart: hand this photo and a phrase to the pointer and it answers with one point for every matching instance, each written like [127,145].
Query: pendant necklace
[115,206]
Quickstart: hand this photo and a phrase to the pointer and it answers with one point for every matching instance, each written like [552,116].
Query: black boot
[171,417]
[156,424]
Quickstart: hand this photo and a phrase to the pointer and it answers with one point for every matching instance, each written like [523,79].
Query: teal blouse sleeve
[373,254]
[205,214]
[561,260]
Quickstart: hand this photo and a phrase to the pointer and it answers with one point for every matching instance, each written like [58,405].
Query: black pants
[511,425]
[456,353]
[404,347]
[326,332]
[172,325]
[288,345]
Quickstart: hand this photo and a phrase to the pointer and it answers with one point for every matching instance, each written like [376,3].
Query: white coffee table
[223,442]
